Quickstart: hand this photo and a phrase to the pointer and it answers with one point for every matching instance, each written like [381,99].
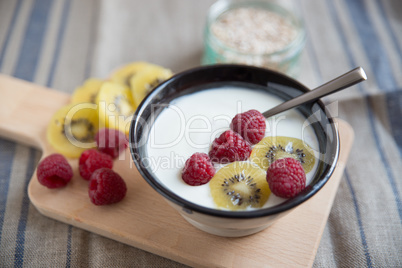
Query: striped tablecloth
[61,43]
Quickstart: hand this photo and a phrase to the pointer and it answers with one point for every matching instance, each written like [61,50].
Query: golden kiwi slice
[115,106]
[144,81]
[72,129]
[87,92]
[124,74]
[239,185]
[272,148]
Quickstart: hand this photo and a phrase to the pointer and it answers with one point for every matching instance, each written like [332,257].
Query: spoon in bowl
[346,80]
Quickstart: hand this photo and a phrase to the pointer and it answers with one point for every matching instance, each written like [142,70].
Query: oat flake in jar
[256,33]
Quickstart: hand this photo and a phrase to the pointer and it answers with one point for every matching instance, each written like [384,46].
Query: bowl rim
[190,207]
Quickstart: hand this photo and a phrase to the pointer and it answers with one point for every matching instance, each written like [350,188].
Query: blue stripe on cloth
[9,31]
[32,45]
[7,149]
[394,107]
[381,150]
[357,210]
[385,18]
[359,220]
[378,143]
[59,41]
[26,69]
[372,45]
[69,238]
[22,224]
[56,56]
[342,37]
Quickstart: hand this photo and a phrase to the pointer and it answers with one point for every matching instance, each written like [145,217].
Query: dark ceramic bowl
[223,222]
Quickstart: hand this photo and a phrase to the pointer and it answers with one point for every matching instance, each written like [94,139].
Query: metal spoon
[346,80]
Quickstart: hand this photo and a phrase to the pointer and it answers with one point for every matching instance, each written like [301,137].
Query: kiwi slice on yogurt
[239,185]
[272,148]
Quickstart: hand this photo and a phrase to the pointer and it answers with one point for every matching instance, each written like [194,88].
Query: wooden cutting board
[143,219]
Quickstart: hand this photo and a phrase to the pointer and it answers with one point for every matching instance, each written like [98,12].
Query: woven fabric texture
[59,44]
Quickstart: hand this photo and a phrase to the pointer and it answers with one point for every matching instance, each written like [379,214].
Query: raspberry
[286,177]
[198,169]
[229,147]
[54,171]
[106,187]
[91,160]
[111,141]
[250,125]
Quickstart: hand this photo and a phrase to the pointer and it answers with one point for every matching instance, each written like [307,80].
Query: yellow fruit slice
[87,92]
[144,81]
[239,185]
[124,74]
[72,129]
[115,106]
[272,148]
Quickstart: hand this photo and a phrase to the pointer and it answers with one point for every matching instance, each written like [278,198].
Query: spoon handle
[348,79]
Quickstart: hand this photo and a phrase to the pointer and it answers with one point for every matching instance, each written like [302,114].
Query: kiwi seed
[271,154]
[236,197]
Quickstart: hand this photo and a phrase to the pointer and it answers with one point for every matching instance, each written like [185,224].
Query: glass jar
[229,46]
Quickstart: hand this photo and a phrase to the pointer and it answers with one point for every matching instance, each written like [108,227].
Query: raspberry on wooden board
[106,187]
[54,171]
[91,160]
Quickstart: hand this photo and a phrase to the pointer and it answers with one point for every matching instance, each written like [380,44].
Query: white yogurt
[193,121]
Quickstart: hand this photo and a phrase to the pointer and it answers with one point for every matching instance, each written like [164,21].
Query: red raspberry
[229,147]
[286,177]
[91,160]
[250,125]
[111,141]
[54,171]
[106,187]
[198,169]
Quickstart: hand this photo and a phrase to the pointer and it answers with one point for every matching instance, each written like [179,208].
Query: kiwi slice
[240,185]
[147,79]
[72,129]
[124,74]
[272,148]
[87,92]
[115,106]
